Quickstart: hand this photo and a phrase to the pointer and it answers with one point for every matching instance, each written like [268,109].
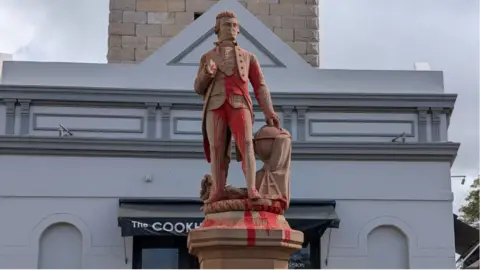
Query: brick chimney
[139,27]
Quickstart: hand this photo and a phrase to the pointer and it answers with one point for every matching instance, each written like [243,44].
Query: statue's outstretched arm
[262,94]
[204,78]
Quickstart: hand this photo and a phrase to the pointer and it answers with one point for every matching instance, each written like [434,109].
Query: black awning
[138,217]
[466,236]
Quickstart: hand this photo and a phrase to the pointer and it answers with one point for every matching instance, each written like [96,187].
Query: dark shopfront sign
[182,226]
[158,226]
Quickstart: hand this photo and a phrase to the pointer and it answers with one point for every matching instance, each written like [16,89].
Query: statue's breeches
[239,122]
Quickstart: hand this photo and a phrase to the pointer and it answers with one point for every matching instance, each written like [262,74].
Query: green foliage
[469,212]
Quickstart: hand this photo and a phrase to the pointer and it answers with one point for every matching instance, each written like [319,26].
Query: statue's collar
[226,43]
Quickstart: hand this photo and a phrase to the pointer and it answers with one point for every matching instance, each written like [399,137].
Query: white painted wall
[85,191]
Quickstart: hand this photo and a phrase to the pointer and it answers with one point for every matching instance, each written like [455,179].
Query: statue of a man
[222,80]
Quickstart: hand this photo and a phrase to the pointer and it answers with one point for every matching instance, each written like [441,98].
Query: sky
[355,34]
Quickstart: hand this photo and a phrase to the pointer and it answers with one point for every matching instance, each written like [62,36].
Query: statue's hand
[273,121]
[211,68]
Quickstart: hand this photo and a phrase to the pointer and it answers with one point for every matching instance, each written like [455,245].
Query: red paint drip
[248,218]
[287,235]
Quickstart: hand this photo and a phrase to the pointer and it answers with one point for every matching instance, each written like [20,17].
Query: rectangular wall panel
[360,127]
[89,122]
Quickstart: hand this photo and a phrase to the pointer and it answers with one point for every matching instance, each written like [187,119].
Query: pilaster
[422,124]
[165,120]
[24,117]
[151,120]
[301,122]
[10,116]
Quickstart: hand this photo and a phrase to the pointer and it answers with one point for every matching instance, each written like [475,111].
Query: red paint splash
[250,227]
[287,235]
[271,220]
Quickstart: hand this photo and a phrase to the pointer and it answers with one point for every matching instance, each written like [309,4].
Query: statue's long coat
[248,68]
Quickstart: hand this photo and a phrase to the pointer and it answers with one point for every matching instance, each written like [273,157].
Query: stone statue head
[226,26]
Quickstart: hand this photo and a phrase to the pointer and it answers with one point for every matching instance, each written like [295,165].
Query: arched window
[387,248]
[60,246]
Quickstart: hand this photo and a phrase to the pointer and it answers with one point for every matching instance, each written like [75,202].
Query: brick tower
[139,27]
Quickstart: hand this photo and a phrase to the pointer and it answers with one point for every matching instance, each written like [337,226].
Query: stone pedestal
[244,240]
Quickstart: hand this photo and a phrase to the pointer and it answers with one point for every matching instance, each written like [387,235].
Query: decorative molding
[151,120]
[405,229]
[301,125]
[24,116]
[36,234]
[140,130]
[287,117]
[422,124]
[311,133]
[176,131]
[10,116]
[190,149]
[130,97]
[166,109]
[436,121]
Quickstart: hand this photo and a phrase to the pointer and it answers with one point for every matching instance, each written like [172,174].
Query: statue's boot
[216,195]
[253,194]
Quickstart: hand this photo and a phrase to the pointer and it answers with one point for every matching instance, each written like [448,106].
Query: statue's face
[229,29]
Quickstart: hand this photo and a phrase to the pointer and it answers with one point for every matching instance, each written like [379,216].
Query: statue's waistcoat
[232,73]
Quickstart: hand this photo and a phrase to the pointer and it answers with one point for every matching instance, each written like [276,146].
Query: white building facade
[101,163]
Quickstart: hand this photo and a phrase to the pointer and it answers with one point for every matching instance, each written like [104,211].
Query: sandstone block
[312,23]
[294,22]
[121,28]
[134,17]
[258,8]
[161,17]
[293,1]
[305,10]
[312,48]
[152,5]
[114,41]
[171,30]
[176,5]
[142,54]
[312,59]
[298,46]
[306,35]
[284,34]
[122,5]
[115,16]
[184,18]
[268,1]
[281,9]
[121,54]
[199,5]
[312,2]
[154,43]
[148,30]
[134,42]
[271,21]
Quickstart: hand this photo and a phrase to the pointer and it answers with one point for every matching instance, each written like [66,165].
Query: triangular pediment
[187,47]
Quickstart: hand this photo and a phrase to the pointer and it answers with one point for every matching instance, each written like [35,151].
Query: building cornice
[83,96]
[178,149]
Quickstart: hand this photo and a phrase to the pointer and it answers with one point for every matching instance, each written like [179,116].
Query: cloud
[378,34]
[55,30]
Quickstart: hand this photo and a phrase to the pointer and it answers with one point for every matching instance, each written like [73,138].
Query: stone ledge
[108,147]
[121,96]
